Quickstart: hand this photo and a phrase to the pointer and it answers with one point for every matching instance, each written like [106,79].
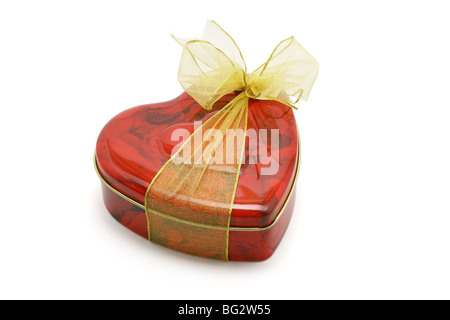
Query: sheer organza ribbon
[189,201]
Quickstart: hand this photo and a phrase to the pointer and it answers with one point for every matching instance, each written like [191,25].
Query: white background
[372,220]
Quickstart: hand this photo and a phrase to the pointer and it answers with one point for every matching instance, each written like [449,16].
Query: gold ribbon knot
[189,201]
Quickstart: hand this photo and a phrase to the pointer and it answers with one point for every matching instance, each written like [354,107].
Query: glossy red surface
[135,144]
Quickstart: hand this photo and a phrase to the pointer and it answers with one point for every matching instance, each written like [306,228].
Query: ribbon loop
[290,69]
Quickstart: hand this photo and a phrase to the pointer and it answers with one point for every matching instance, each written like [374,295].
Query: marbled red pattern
[135,144]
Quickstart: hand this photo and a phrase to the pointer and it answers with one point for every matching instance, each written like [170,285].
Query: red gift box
[135,144]
[212,172]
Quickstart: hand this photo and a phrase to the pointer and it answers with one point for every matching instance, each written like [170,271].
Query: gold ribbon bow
[189,202]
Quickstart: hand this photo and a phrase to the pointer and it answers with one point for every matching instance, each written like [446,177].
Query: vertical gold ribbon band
[189,202]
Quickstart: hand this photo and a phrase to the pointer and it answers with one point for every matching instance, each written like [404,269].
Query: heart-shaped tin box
[229,210]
